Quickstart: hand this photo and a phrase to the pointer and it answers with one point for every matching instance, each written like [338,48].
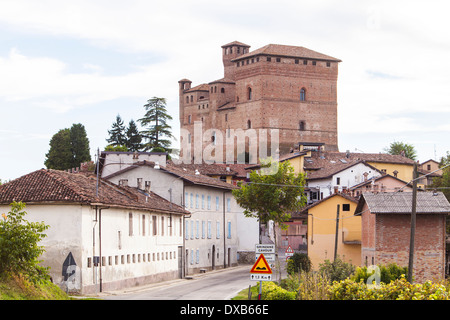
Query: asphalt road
[214,285]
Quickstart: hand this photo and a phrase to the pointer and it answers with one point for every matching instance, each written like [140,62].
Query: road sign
[270,257]
[261,266]
[289,252]
[261,277]
[265,248]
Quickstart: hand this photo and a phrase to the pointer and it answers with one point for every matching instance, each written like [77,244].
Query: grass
[243,295]
[16,287]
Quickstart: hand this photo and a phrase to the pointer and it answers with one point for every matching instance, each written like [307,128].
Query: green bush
[271,291]
[386,274]
[399,289]
[19,249]
[337,270]
[298,262]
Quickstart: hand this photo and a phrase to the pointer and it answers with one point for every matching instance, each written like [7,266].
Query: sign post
[289,252]
[261,270]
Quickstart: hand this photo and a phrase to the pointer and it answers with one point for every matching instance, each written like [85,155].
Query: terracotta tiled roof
[200,87]
[289,51]
[324,164]
[54,186]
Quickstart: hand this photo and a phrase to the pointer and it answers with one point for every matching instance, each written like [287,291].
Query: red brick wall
[392,237]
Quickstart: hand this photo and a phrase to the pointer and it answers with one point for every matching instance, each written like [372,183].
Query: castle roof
[287,51]
[235,43]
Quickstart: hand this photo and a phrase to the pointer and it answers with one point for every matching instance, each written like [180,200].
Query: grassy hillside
[18,288]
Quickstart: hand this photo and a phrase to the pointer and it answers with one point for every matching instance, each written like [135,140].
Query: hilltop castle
[289,88]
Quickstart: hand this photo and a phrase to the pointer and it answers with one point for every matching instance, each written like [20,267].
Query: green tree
[133,136]
[59,156]
[19,249]
[117,135]
[443,183]
[68,148]
[272,194]
[79,144]
[156,119]
[400,148]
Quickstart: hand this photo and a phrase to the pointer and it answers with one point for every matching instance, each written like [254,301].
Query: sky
[86,61]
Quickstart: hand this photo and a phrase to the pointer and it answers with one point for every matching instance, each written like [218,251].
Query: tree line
[69,147]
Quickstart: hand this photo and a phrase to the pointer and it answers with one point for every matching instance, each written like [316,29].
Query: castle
[289,88]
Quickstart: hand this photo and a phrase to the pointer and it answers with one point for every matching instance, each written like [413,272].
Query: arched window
[302,94]
[187,99]
[249,124]
[222,90]
[301,126]
[249,91]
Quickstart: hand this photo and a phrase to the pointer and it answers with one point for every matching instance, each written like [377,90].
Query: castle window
[249,93]
[296,61]
[301,126]
[192,98]
[257,59]
[314,63]
[302,94]
[189,118]
[237,99]
[226,117]
[305,62]
[278,59]
[269,59]
[222,90]
[328,64]
[238,49]
[249,124]
[187,99]
[201,98]
[237,64]
[253,60]
[212,89]
[215,89]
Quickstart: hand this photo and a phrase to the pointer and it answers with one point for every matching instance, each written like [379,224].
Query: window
[228,205]
[229,230]
[203,201]
[296,61]
[269,59]
[189,118]
[192,200]
[314,63]
[203,229]
[328,64]
[197,256]
[305,62]
[278,59]
[249,124]
[186,230]
[130,224]
[346,207]
[209,229]
[302,94]
[338,181]
[197,229]
[143,225]
[209,202]
[249,93]
[222,90]
[197,201]
[217,203]
[301,126]
[186,195]
[218,229]
[162,226]
[192,229]
[155,225]
[187,99]
[213,138]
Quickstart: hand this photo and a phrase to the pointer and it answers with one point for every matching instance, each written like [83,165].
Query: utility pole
[337,234]
[413,225]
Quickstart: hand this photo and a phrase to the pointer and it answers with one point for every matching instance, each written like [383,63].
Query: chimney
[139,183]
[347,154]
[148,185]
[123,182]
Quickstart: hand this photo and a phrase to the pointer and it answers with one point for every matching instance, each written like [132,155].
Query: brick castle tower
[289,88]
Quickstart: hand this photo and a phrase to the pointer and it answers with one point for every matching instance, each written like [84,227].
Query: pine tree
[117,133]
[134,138]
[159,131]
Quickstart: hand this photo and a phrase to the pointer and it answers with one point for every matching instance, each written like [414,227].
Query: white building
[101,240]
[211,238]
[338,176]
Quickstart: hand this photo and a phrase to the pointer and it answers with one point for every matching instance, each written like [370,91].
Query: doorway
[213,256]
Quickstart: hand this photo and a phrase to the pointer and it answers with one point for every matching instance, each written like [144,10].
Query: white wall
[116,161]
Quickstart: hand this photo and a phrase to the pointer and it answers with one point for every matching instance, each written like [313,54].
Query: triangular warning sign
[261,266]
[289,250]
